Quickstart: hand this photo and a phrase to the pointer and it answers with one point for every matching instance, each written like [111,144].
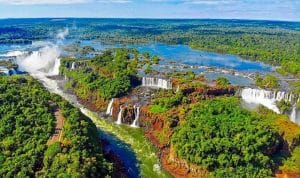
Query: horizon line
[150,18]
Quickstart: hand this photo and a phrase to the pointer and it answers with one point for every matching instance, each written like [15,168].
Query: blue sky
[221,9]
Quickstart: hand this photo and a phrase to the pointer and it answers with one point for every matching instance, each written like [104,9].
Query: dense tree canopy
[227,140]
[109,75]
[26,123]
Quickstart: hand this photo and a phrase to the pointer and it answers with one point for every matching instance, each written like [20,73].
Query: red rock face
[116,106]
[179,168]
[159,129]
[287,175]
[128,114]
[210,91]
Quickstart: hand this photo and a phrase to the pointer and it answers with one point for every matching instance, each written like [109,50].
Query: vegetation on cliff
[114,70]
[27,123]
[217,135]
[227,140]
[268,81]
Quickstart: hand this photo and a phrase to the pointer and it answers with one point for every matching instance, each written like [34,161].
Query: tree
[222,81]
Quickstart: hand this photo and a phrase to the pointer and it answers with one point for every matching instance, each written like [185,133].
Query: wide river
[212,65]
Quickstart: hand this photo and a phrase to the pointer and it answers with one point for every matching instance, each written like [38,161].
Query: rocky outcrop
[179,168]
[125,102]
[210,91]
[287,175]
[128,114]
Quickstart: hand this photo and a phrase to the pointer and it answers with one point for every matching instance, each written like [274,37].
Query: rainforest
[94,97]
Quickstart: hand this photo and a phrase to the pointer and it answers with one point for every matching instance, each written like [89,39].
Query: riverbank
[144,150]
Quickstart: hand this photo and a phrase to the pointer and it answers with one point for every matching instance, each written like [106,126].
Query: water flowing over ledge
[156,83]
[110,107]
[269,99]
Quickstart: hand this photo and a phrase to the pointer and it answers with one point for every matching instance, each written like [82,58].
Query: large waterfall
[44,62]
[109,109]
[137,115]
[269,99]
[119,121]
[156,82]
[73,66]
[294,114]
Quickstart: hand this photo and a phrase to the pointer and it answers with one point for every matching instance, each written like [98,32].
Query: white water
[137,115]
[109,109]
[119,121]
[269,99]
[14,54]
[43,62]
[73,66]
[156,82]
[294,114]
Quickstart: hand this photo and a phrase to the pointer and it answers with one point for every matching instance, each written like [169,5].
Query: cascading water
[269,99]
[109,109]
[156,82]
[137,115]
[119,121]
[293,116]
[44,62]
[73,66]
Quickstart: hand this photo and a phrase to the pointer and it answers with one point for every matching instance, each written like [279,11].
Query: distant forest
[274,42]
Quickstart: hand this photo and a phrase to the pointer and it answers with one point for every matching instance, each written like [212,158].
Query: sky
[287,10]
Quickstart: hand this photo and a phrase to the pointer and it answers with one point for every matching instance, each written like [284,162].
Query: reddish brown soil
[179,168]
[58,128]
[287,175]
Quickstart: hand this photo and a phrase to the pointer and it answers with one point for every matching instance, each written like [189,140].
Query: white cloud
[33,2]
[210,2]
[114,1]
[206,2]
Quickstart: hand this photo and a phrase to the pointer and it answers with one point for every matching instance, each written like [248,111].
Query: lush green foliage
[148,69]
[165,103]
[136,140]
[108,75]
[270,41]
[157,109]
[284,106]
[81,154]
[292,164]
[222,81]
[226,139]
[155,59]
[268,81]
[26,124]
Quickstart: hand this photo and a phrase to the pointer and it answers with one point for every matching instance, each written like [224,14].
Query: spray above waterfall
[61,34]
[44,61]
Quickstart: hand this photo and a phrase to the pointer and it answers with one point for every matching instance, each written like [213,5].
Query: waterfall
[109,109]
[119,121]
[4,71]
[269,99]
[137,115]
[45,61]
[293,115]
[73,66]
[156,82]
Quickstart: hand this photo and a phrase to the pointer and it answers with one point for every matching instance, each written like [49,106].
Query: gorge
[133,110]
